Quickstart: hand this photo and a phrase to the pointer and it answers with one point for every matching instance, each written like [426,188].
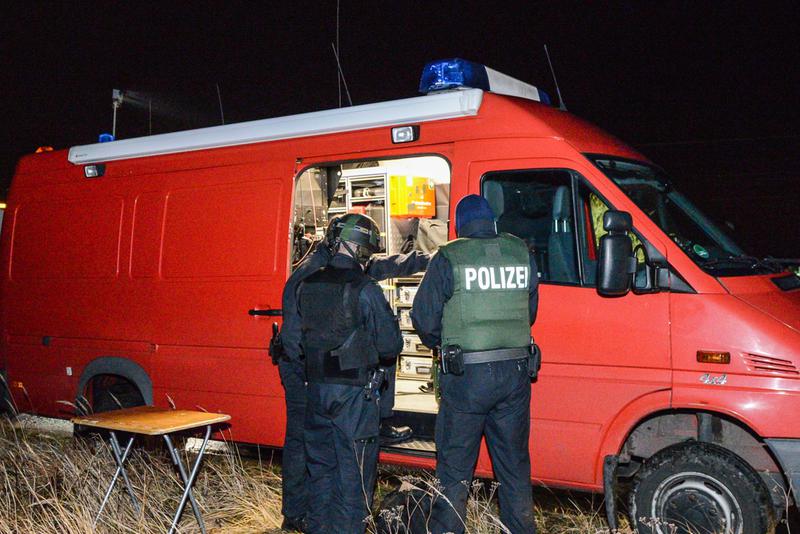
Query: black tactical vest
[337,346]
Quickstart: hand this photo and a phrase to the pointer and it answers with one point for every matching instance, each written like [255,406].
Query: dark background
[709,91]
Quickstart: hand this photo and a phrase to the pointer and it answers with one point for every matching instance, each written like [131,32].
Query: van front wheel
[697,487]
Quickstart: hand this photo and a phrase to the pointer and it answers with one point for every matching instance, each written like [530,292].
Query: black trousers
[491,399]
[293,470]
[341,435]
[293,378]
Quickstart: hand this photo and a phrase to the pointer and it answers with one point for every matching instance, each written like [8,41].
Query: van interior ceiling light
[456,73]
[405,134]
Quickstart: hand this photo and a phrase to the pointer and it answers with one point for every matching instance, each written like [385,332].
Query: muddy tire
[699,488]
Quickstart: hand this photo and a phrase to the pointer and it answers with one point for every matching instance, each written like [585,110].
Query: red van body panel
[759,292]
[762,381]
[172,251]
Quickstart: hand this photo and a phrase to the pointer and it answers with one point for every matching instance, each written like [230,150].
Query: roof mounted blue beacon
[457,73]
[453,74]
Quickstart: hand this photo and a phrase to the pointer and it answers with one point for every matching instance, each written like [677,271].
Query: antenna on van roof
[219,99]
[561,104]
[341,74]
[340,77]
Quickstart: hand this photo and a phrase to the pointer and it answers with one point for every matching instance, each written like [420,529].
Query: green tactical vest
[489,306]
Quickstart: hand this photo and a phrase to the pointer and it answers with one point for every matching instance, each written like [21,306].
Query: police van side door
[599,354]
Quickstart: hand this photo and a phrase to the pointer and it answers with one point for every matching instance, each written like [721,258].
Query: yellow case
[412,196]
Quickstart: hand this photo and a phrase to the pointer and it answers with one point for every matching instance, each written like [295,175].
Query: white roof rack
[446,105]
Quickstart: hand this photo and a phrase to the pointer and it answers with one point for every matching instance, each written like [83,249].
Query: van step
[422,447]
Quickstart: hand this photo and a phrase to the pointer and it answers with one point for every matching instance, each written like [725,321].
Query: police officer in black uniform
[347,331]
[477,302]
[293,377]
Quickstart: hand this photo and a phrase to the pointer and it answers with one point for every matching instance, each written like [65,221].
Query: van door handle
[269,313]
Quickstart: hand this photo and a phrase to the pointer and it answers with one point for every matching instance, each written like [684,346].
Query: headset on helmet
[358,229]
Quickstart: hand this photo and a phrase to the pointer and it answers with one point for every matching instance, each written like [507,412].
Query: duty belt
[497,355]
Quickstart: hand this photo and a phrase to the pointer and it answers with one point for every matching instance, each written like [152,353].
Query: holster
[452,359]
[376,378]
[534,360]
[276,350]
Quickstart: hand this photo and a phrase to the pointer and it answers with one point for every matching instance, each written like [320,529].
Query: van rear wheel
[699,488]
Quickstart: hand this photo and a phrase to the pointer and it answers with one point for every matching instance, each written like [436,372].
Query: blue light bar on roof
[452,74]
[459,73]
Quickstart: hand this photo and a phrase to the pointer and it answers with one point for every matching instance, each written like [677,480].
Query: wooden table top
[150,420]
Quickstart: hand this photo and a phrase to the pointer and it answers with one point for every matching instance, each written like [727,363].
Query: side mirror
[617,264]
[651,275]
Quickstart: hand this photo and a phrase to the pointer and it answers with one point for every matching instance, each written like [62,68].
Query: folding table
[152,421]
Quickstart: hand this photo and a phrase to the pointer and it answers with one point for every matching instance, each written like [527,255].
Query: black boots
[294,524]
[392,435]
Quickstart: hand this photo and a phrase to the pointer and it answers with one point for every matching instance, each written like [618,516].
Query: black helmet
[358,229]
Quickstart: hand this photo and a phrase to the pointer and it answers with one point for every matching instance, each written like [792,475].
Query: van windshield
[698,236]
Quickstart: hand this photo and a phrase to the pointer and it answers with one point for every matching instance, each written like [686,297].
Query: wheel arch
[123,367]
[664,428]
[645,420]
[626,421]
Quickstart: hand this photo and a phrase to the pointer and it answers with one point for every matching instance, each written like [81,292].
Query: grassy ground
[52,483]
[55,483]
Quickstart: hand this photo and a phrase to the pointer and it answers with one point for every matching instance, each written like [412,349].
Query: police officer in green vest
[477,302]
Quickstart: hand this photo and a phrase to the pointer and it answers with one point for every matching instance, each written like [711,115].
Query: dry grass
[555,513]
[55,484]
[52,484]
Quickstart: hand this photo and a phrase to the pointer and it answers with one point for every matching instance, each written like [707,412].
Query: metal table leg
[119,457]
[188,482]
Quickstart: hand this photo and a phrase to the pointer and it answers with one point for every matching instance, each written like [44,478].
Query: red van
[150,270]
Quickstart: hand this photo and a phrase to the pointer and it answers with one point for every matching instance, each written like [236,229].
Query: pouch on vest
[333,373]
[356,351]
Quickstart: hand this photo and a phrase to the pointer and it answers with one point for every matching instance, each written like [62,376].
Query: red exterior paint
[178,248]
[754,320]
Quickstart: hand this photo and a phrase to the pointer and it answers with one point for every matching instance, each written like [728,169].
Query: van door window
[591,209]
[536,206]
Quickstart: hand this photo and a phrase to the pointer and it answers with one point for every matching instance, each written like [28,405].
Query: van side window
[536,206]
[591,209]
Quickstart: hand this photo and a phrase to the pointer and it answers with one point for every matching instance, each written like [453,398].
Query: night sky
[708,91]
